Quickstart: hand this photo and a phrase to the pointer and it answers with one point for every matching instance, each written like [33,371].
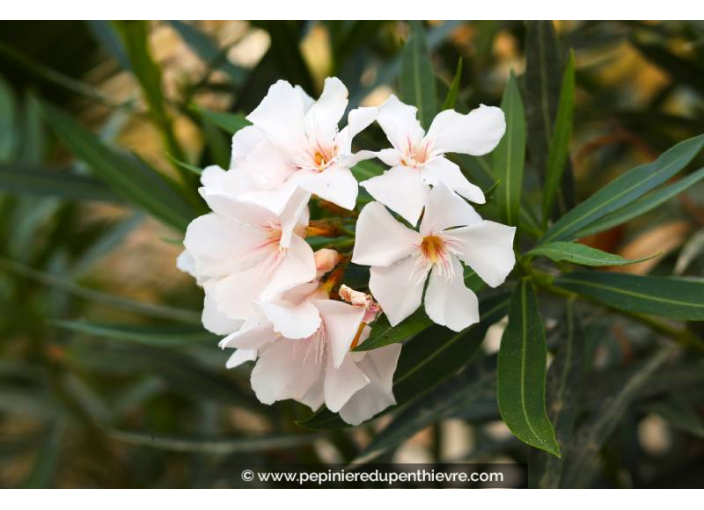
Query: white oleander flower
[417,159]
[402,259]
[243,253]
[294,144]
[302,346]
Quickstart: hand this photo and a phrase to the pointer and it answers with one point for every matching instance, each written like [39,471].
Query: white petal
[295,214]
[380,239]
[315,396]
[280,115]
[449,302]
[292,321]
[379,366]
[307,100]
[267,166]
[357,120]
[391,157]
[215,243]
[397,289]
[241,356]
[443,170]
[488,249]
[324,115]
[243,142]
[215,321]
[341,322]
[186,263]
[476,133]
[275,200]
[297,267]
[446,210]
[401,189]
[255,333]
[236,293]
[212,176]
[285,370]
[335,184]
[342,382]
[400,123]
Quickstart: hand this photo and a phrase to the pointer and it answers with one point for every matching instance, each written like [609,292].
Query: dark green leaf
[624,190]
[366,170]
[46,464]
[451,98]
[509,155]
[418,76]
[521,373]
[146,335]
[215,446]
[668,297]
[560,143]
[576,253]
[7,121]
[22,178]
[131,178]
[642,205]
[564,384]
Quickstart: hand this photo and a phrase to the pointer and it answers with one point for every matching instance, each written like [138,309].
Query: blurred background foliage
[150,404]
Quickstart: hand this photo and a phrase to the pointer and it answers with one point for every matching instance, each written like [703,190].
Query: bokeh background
[82,408]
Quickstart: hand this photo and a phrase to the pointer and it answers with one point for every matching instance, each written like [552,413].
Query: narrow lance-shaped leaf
[509,155]
[451,98]
[559,251]
[560,143]
[230,122]
[128,176]
[642,205]
[521,373]
[418,76]
[668,297]
[624,190]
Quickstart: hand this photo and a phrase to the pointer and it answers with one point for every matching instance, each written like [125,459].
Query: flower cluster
[279,303]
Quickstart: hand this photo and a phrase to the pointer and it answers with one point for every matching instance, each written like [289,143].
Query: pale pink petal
[213,320]
[476,133]
[342,382]
[446,209]
[335,184]
[285,369]
[236,293]
[443,170]
[281,116]
[341,322]
[275,200]
[241,356]
[449,302]
[391,157]
[379,366]
[400,189]
[243,142]
[255,333]
[295,214]
[488,249]
[307,100]
[357,120]
[267,167]
[212,176]
[324,115]
[215,243]
[186,263]
[380,239]
[296,267]
[315,396]
[290,320]
[400,123]
[397,288]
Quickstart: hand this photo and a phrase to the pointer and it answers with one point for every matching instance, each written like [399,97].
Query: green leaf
[428,359]
[576,253]
[668,297]
[642,205]
[451,98]
[542,82]
[145,335]
[521,373]
[366,170]
[624,190]
[135,39]
[214,445]
[230,122]
[565,380]
[35,180]
[596,431]
[131,178]
[509,155]
[443,402]
[418,76]
[7,120]
[560,142]
[46,465]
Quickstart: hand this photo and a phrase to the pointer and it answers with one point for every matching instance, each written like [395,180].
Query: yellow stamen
[432,248]
[319,159]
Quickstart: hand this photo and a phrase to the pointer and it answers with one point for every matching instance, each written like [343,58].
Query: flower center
[436,251]
[433,248]
[323,157]
[416,155]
